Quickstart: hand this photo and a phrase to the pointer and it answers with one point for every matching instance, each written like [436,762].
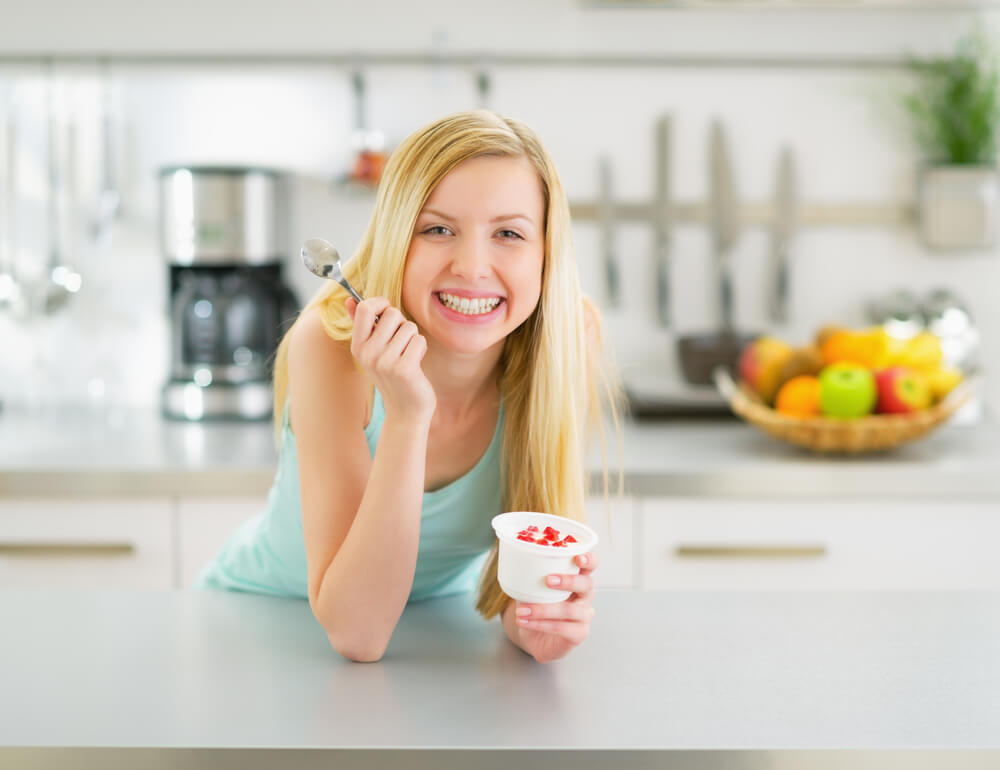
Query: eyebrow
[501,218]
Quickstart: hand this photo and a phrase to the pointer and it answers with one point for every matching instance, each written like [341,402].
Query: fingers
[588,562]
[382,343]
[582,584]
[352,305]
[569,620]
[364,316]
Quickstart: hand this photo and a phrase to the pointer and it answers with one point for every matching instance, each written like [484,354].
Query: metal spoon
[323,260]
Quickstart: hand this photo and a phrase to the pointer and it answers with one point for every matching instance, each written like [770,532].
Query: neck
[462,382]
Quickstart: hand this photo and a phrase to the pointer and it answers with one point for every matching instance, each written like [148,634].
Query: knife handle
[663,287]
[725,279]
[779,300]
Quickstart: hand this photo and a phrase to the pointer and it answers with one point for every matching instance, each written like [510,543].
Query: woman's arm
[360,515]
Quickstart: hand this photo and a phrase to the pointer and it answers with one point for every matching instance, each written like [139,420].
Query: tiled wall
[110,344]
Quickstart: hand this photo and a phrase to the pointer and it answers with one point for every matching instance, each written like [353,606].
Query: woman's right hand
[390,352]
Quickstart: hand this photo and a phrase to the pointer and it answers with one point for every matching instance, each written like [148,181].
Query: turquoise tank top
[266,554]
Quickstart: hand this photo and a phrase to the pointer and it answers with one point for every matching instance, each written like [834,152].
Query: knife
[724,220]
[784,226]
[607,220]
[663,220]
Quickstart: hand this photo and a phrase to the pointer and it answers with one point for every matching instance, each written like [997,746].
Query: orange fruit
[799,397]
[867,348]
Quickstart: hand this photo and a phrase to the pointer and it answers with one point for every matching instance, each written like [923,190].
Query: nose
[471,259]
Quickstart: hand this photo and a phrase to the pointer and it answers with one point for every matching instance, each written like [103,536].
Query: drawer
[612,521]
[204,525]
[714,545]
[93,544]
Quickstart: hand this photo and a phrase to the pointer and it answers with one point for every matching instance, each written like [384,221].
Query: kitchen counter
[138,453]
[710,679]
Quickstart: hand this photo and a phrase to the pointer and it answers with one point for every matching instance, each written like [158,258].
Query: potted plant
[955,109]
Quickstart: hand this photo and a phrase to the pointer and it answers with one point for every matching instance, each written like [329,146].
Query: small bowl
[522,566]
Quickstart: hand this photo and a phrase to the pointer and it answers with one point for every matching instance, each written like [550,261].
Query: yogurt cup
[522,566]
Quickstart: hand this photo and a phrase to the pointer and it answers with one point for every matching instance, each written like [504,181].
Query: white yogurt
[522,566]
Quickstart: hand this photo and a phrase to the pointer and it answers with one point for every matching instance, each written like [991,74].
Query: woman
[460,388]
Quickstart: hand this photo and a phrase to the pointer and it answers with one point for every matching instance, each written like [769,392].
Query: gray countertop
[739,676]
[137,453]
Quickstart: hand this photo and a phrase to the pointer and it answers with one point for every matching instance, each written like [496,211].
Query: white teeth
[468,306]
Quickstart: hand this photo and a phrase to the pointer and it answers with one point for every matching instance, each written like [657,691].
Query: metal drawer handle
[759,551]
[66,549]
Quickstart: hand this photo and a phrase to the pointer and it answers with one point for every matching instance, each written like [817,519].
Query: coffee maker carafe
[221,236]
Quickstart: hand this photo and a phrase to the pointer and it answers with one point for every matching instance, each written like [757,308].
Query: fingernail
[524,611]
[553,580]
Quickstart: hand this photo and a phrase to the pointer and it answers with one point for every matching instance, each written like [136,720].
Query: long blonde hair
[550,375]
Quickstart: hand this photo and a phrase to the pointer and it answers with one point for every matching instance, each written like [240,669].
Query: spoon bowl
[321,259]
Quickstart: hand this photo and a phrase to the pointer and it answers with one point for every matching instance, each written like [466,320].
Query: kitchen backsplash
[109,345]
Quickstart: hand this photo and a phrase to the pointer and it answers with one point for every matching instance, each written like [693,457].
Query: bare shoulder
[321,371]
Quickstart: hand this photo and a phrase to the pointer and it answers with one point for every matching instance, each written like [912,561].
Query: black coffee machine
[229,307]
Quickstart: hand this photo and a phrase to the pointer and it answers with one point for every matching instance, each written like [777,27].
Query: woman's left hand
[548,632]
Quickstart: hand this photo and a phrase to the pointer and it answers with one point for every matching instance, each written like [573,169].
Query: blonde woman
[460,388]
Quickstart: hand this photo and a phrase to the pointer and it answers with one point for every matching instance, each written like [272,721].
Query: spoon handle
[350,290]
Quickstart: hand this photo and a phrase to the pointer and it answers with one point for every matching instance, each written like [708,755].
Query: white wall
[842,124]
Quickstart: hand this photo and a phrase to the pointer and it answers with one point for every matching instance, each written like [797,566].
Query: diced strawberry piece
[560,544]
[526,538]
[552,534]
[532,528]
[540,541]
[569,539]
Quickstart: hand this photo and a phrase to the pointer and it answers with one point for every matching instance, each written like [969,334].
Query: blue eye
[437,230]
[509,234]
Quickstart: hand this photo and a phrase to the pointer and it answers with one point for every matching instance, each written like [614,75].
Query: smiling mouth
[467,306]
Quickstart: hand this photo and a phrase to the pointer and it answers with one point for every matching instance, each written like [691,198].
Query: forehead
[490,185]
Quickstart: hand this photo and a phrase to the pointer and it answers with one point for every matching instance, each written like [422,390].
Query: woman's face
[474,269]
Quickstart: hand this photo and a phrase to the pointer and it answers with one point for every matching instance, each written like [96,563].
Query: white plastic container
[522,566]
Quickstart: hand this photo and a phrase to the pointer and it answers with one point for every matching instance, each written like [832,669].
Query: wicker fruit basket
[874,433]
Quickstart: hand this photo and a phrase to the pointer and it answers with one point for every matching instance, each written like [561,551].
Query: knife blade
[724,220]
[785,216]
[663,220]
[607,222]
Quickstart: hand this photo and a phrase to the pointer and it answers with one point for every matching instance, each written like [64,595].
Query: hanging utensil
[484,87]
[702,354]
[607,224]
[370,159]
[10,290]
[724,221]
[61,280]
[784,226]
[663,221]
[109,197]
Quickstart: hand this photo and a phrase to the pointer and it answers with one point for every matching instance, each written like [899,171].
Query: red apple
[902,390]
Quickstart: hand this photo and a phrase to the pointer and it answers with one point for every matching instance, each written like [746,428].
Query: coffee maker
[221,235]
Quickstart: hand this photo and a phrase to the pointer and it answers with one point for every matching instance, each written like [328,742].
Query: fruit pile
[549,537]
[848,373]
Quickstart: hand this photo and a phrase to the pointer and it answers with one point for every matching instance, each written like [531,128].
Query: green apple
[847,390]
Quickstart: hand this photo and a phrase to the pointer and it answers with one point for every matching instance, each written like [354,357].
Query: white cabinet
[93,544]
[204,525]
[697,544]
[612,521]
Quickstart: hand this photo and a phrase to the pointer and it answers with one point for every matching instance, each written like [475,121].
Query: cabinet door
[726,545]
[612,521]
[204,525]
[93,544]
